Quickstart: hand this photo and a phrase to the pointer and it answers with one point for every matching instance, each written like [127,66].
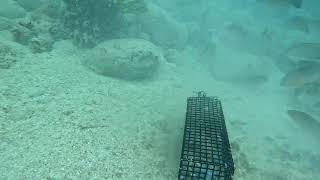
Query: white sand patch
[60,120]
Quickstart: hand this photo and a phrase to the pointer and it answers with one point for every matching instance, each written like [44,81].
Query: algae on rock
[89,22]
[34,30]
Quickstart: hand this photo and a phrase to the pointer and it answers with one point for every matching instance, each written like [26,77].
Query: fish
[307,74]
[299,23]
[305,121]
[304,24]
[312,89]
[294,3]
[283,63]
[304,52]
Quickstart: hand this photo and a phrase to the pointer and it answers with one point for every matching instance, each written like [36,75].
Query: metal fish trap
[206,153]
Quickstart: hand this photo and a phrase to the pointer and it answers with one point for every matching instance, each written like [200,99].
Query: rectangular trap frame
[206,153]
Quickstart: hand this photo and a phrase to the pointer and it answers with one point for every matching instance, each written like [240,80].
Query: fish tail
[296,3]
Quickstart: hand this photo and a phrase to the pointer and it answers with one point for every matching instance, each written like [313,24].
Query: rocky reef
[93,21]
[32,29]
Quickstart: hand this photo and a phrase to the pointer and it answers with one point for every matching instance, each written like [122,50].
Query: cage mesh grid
[206,150]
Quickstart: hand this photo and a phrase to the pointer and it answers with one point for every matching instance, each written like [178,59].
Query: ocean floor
[61,121]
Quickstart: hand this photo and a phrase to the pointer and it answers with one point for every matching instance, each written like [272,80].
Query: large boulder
[10,9]
[131,59]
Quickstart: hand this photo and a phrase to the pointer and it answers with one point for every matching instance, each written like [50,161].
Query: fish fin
[302,116]
[304,63]
[296,3]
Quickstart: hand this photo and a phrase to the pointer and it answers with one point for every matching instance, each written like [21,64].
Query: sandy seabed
[59,120]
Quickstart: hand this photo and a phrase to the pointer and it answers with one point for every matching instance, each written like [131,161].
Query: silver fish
[299,23]
[312,89]
[306,122]
[304,52]
[294,3]
[283,63]
[304,75]
[304,24]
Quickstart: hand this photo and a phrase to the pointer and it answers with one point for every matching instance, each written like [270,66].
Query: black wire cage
[206,153]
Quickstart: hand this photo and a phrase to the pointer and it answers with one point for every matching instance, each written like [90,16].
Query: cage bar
[206,153]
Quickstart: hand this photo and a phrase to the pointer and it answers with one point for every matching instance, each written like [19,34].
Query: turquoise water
[97,89]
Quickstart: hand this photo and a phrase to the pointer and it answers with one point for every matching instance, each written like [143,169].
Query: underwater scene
[97,89]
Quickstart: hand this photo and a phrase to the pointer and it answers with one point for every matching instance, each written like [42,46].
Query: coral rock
[132,59]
